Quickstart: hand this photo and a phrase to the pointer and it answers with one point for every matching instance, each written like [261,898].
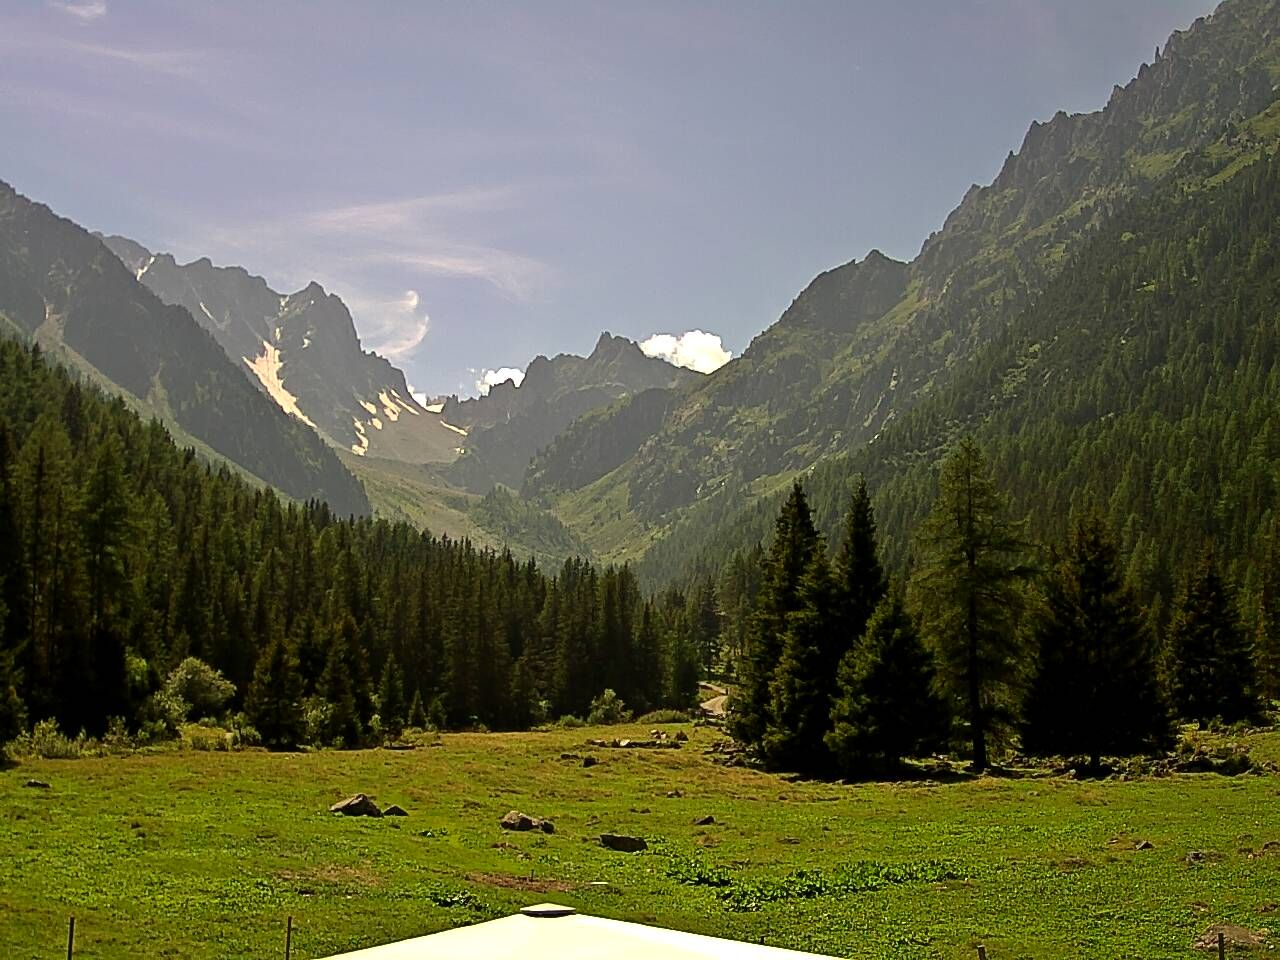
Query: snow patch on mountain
[266,368]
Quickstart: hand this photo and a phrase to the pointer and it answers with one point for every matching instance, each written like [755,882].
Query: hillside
[869,342]
[61,287]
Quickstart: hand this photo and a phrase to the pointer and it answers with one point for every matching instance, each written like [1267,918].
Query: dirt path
[714,705]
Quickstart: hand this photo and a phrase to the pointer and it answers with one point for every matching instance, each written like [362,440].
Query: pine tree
[1096,688]
[343,725]
[800,692]
[274,701]
[391,705]
[795,542]
[417,713]
[1267,643]
[970,591]
[886,707]
[1213,666]
[860,579]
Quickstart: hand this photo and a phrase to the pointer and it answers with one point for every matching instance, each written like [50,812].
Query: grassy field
[203,855]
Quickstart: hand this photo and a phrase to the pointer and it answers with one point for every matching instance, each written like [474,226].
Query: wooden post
[71,936]
[1222,946]
[288,937]
[982,952]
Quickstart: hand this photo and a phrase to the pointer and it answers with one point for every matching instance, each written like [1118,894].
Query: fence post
[1222,946]
[982,952]
[71,935]
[288,937]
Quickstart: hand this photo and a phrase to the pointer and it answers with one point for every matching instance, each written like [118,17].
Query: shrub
[47,742]
[664,716]
[570,722]
[199,737]
[199,685]
[607,709]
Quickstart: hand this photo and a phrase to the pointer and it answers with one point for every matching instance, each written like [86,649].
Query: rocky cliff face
[302,350]
[60,286]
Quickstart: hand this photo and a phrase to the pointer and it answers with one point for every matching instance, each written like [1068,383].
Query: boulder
[681,737]
[395,811]
[589,761]
[706,821]
[36,785]
[356,806]
[623,843]
[522,822]
[1144,845]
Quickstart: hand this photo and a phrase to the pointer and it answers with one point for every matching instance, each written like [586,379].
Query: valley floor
[203,855]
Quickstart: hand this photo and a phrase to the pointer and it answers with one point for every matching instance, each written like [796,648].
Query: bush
[607,709]
[570,722]
[47,742]
[199,737]
[204,689]
[664,716]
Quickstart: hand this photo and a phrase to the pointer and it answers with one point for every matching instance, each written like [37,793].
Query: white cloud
[491,378]
[694,349]
[83,10]
[397,325]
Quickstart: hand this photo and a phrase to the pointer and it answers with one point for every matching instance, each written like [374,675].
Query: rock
[395,811]
[681,737]
[1144,845]
[589,761]
[674,794]
[568,756]
[36,785]
[706,821]
[515,820]
[623,843]
[356,806]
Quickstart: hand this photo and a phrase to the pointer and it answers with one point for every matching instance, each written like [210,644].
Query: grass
[203,855]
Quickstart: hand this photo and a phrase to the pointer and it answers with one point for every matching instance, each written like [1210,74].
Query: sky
[483,182]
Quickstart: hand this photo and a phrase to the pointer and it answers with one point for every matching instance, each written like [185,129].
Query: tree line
[988,641]
[132,571]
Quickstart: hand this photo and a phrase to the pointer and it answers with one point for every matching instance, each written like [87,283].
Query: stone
[623,843]
[681,737]
[589,761]
[395,811]
[1144,845]
[36,785]
[546,826]
[515,820]
[674,794]
[356,806]
[706,821]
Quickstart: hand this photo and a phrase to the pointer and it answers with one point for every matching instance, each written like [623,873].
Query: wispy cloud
[86,11]
[695,350]
[396,326]
[171,63]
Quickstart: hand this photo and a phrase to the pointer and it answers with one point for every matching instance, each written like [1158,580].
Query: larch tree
[970,589]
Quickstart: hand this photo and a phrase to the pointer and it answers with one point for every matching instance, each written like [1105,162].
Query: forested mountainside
[867,343]
[302,350]
[1143,383]
[62,287]
[511,424]
[125,555]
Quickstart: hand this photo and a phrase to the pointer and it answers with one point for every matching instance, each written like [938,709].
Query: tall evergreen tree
[886,707]
[274,702]
[1213,666]
[800,692]
[1096,688]
[795,542]
[392,709]
[1267,642]
[343,725]
[860,579]
[970,589]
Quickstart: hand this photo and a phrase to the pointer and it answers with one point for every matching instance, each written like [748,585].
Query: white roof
[550,931]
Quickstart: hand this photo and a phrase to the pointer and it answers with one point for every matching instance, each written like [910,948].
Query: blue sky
[483,182]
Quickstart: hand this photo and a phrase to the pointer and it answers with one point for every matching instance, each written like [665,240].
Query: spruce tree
[343,726]
[886,707]
[1096,688]
[800,693]
[860,579]
[1213,666]
[417,713]
[795,542]
[1267,642]
[970,592]
[274,701]
[392,709]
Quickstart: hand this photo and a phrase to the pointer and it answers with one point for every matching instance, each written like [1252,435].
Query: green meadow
[204,855]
